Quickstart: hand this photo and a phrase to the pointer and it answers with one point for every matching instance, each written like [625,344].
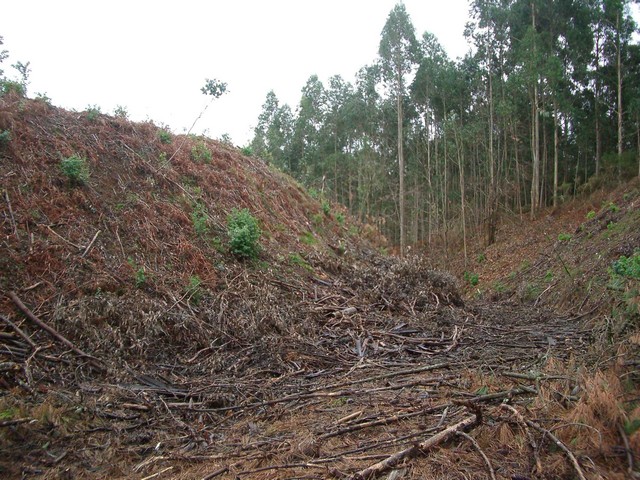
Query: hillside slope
[136,345]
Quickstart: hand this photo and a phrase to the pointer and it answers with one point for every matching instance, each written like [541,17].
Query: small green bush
[244,232]
[472,278]
[5,137]
[164,136]
[326,207]
[564,237]
[591,215]
[75,169]
[194,292]
[200,153]
[92,112]
[247,151]
[139,274]
[296,259]
[340,218]
[481,258]
[199,217]
[308,239]
[627,267]
[9,86]
[121,112]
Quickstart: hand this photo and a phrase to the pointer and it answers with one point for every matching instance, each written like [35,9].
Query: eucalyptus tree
[398,51]
[272,134]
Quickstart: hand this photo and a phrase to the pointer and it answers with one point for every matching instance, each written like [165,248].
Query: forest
[545,106]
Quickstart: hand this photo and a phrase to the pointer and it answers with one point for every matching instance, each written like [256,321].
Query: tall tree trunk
[401,168]
[619,72]
[555,153]
[493,214]
[535,134]
[597,105]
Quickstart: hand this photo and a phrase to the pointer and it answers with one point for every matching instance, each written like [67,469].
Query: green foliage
[75,169]
[481,258]
[296,259]
[631,426]
[165,136]
[499,287]
[308,239]
[627,267]
[200,217]
[612,207]
[548,276]
[340,218]
[5,137]
[244,232]
[564,237]
[591,215]
[194,290]
[200,153]
[471,278]
[139,273]
[326,207]
[43,97]
[313,193]
[214,88]
[92,112]
[121,112]
[247,151]
[10,87]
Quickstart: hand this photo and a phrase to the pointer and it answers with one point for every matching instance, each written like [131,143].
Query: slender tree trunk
[619,72]
[401,167]
[597,105]
[493,220]
[535,134]
[555,154]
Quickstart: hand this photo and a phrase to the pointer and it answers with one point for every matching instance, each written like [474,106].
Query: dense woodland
[544,107]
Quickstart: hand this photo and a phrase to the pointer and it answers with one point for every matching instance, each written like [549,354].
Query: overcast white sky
[153,56]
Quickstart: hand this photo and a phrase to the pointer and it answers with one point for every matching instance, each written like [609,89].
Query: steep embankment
[172,358]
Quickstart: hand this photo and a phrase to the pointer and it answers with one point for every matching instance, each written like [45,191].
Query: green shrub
[199,217]
[165,136]
[5,137]
[472,278]
[75,169]
[326,207]
[244,232]
[591,215]
[247,151]
[296,259]
[139,274]
[340,218]
[627,267]
[481,258]
[9,86]
[121,112]
[92,112]
[194,292]
[564,237]
[308,239]
[200,153]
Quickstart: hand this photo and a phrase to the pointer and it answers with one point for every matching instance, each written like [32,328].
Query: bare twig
[91,244]
[492,473]
[393,460]
[19,331]
[13,220]
[51,331]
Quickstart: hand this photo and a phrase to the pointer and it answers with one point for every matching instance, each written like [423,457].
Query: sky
[152,57]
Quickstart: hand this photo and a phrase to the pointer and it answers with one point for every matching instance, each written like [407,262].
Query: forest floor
[324,358]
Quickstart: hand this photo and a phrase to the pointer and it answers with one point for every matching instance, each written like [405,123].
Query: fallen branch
[17,421]
[13,220]
[396,458]
[492,473]
[91,244]
[19,331]
[51,331]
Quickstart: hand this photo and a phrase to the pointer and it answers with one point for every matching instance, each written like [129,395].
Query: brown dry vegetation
[317,360]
